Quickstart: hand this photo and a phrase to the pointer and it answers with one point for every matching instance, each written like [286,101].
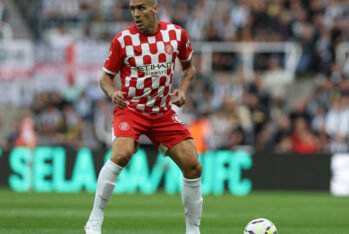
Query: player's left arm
[185,56]
[189,73]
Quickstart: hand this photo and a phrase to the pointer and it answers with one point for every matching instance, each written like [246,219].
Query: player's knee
[194,171]
[122,158]
[198,170]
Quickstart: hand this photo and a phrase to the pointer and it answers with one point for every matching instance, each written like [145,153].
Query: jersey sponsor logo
[137,52]
[124,126]
[188,44]
[169,49]
[158,69]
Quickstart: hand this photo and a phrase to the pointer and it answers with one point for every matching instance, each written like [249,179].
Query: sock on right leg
[105,186]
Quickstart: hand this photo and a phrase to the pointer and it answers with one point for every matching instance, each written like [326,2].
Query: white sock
[105,186]
[192,202]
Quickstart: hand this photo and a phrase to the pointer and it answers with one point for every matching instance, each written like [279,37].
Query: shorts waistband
[151,114]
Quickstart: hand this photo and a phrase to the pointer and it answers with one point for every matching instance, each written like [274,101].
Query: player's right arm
[108,87]
[111,67]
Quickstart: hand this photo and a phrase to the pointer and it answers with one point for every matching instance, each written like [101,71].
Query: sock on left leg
[192,202]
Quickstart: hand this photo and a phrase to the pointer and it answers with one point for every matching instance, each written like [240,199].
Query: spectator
[60,37]
[83,106]
[281,131]
[200,130]
[72,92]
[72,128]
[303,140]
[50,120]
[3,12]
[299,109]
[337,126]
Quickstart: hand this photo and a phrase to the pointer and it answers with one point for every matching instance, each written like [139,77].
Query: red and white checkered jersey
[146,64]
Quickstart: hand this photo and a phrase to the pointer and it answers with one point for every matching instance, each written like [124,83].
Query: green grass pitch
[292,212]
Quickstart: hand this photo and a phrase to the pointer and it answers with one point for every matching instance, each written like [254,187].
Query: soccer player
[144,55]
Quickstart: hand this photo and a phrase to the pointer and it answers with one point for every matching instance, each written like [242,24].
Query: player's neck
[152,30]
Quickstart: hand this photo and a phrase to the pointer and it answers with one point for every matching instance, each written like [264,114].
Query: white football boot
[93,227]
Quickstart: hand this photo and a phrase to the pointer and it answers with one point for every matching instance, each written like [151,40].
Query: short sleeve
[185,50]
[114,60]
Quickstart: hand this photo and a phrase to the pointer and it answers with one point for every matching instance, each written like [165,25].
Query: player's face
[144,15]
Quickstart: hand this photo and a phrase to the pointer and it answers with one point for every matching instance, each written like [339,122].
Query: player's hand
[179,97]
[118,99]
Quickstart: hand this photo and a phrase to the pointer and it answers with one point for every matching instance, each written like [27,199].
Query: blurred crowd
[224,110]
[239,113]
[318,26]
[228,113]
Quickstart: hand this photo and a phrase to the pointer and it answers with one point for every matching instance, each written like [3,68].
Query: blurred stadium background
[269,110]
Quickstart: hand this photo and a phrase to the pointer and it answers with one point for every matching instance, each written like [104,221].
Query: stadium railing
[248,51]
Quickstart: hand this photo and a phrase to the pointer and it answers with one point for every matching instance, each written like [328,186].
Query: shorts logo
[176,119]
[168,49]
[124,126]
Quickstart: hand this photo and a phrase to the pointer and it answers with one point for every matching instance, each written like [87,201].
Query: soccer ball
[260,226]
